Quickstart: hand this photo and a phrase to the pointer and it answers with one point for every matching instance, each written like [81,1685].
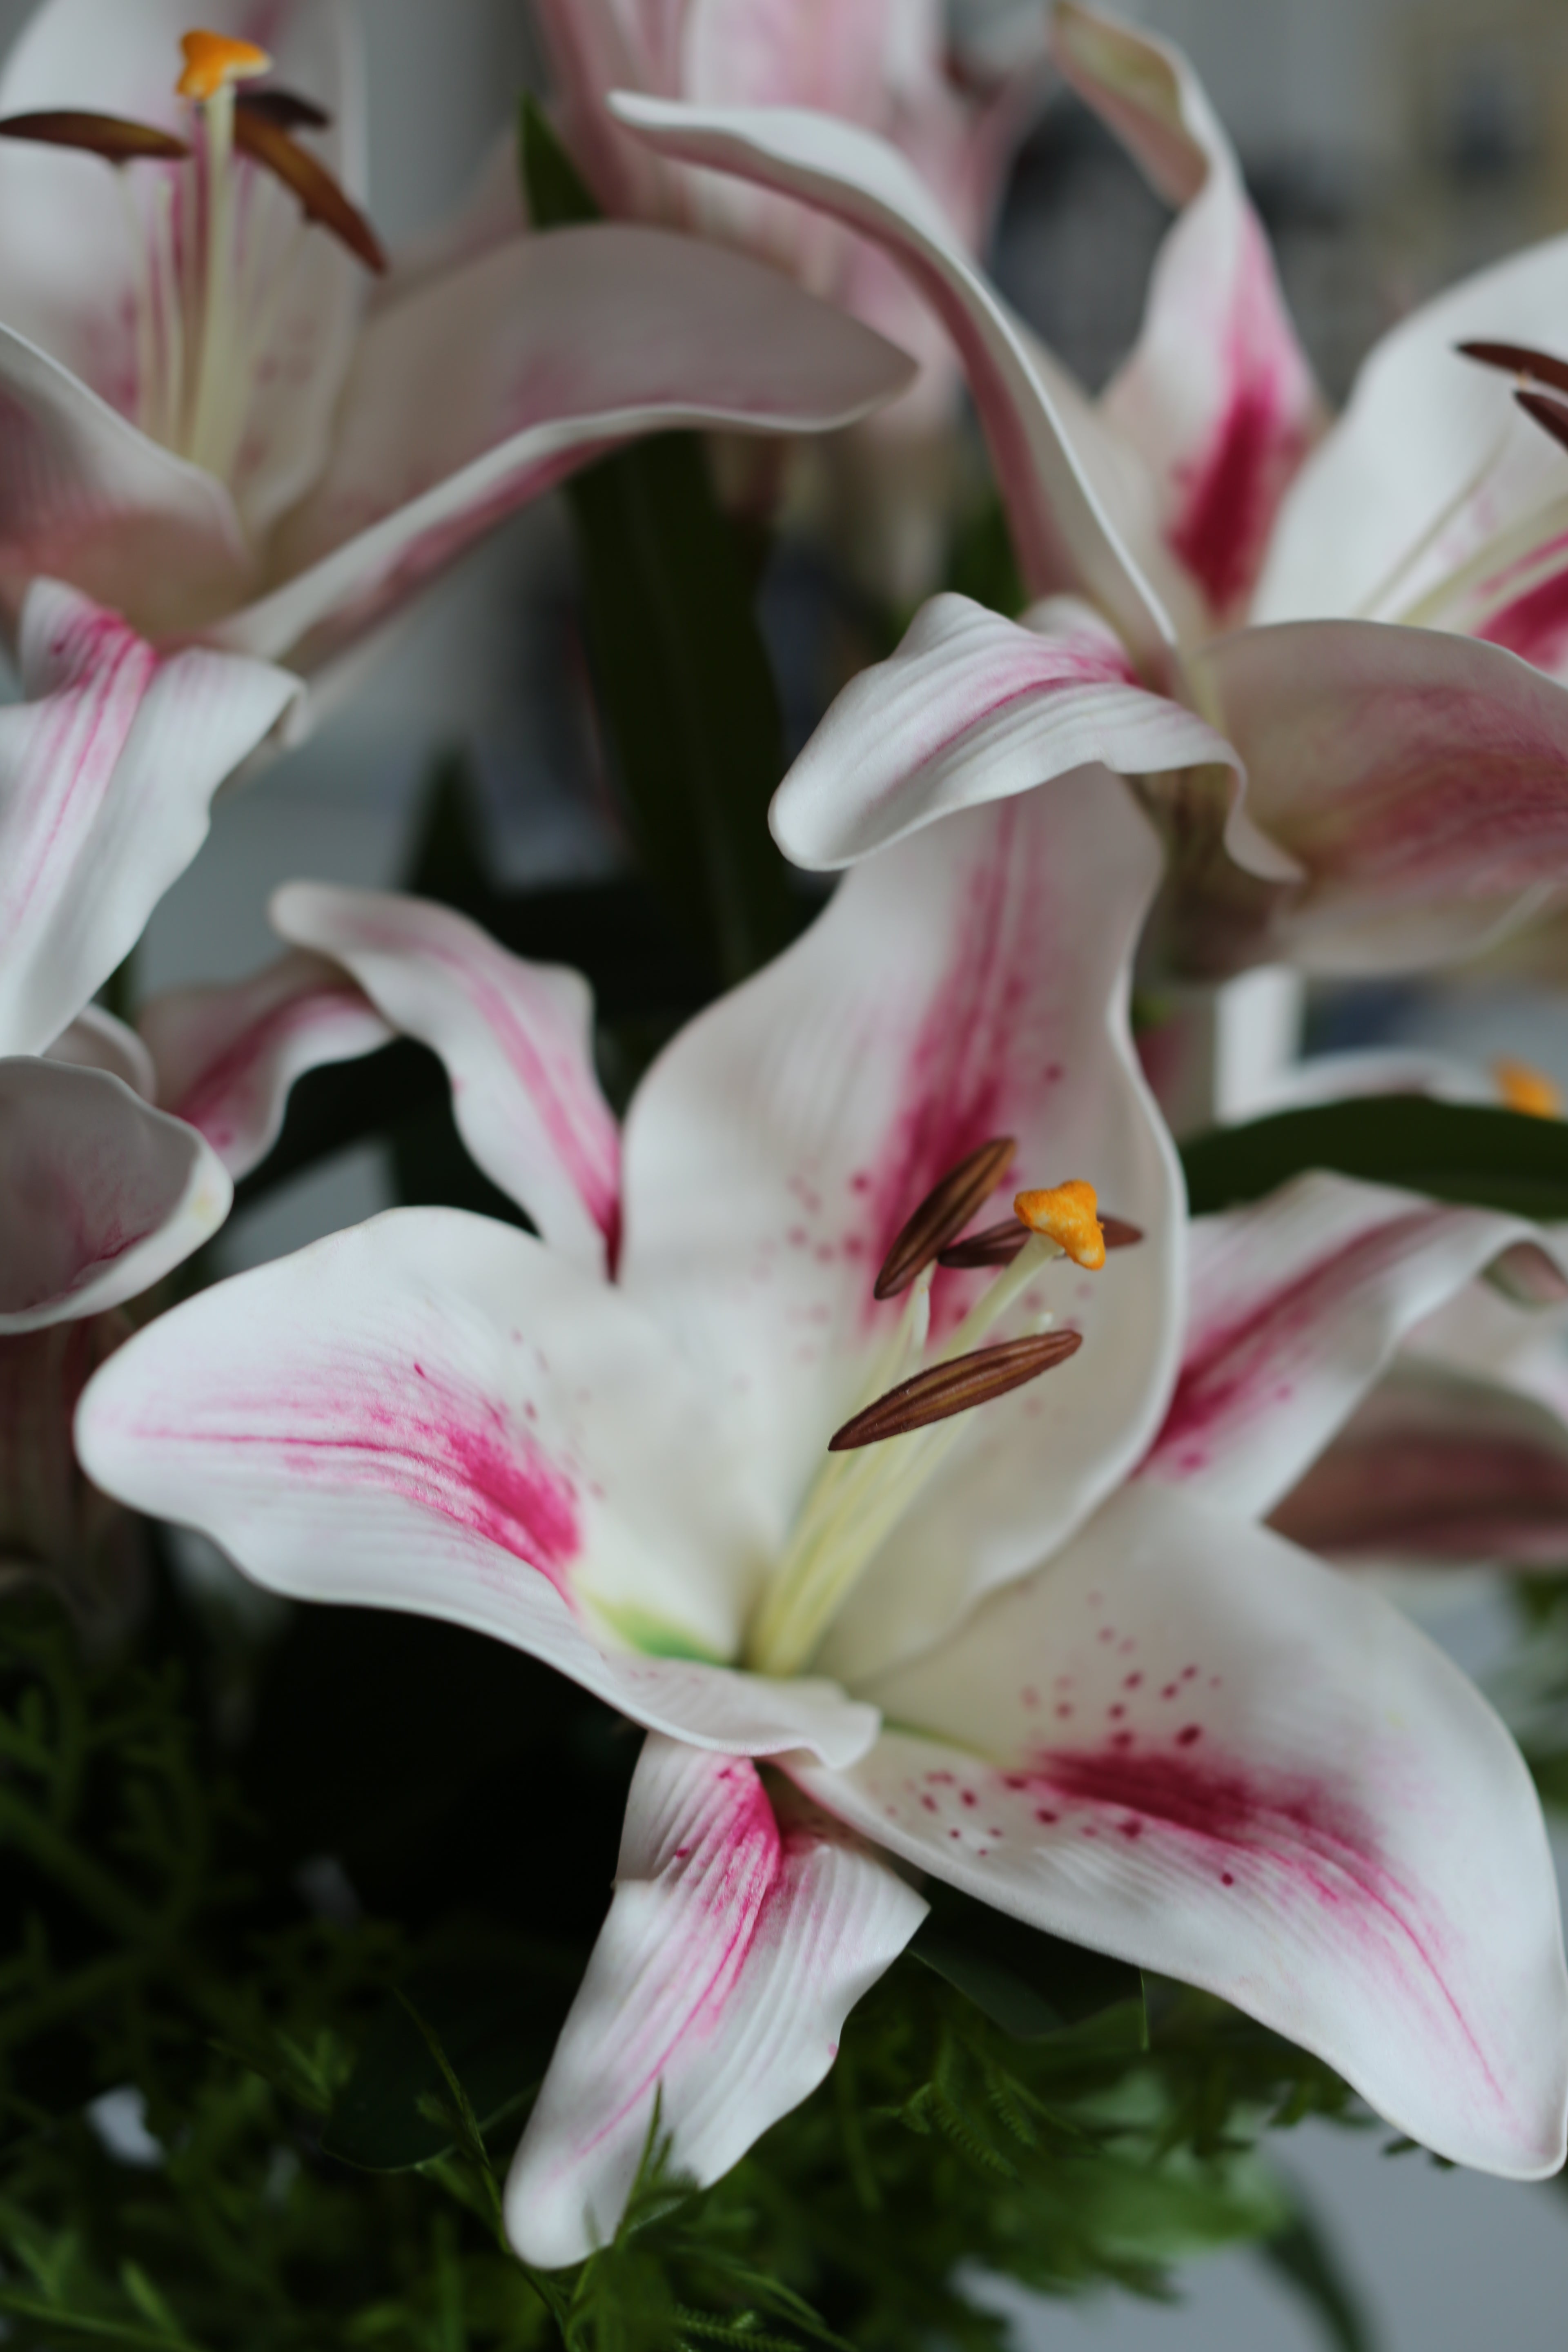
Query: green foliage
[160,1947]
[682,672]
[1453,1151]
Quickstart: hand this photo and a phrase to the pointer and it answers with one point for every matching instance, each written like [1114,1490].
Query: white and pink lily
[885,64]
[211,427]
[1042,1649]
[1407,788]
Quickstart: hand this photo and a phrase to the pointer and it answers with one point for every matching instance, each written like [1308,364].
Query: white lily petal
[1064,539]
[97,1040]
[974,708]
[433,1412]
[100,1196]
[1435,1468]
[517,1039]
[744,1929]
[487,386]
[1430,456]
[968,984]
[227,1058]
[85,497]
[1217,397]
[107,767]
[1297,1306]
[1188,1743]
[1420,779]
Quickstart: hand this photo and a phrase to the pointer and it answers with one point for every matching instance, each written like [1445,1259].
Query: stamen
[1000,1244]
[1528,1090]
[944,1212]
[1552,415]
[286,107]
[214,61]
[956,1387]
[1518,358]
[261,137]
[1065,1213]
[117,139]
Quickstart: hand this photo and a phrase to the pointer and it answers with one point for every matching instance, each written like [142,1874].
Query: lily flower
[213,428]
[1407,788]
[962,1577]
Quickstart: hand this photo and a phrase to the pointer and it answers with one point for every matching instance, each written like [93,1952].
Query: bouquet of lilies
[830,1730]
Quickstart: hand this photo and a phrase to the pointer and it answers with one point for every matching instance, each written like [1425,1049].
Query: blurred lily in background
[1016,1626]
[218,429]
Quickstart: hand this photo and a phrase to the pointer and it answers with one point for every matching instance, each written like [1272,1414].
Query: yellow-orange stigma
[1065,1213]
[1528,1090]
[214,60]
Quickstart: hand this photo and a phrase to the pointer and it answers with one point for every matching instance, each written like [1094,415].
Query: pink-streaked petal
[97,1040]
[1297,1306]
[1435,1469]
[517,1039]
[1430,460]
[744,1928]
[1064,537]
[968,983]
[593,49]
[490,383]
[227,1058]
[1190,1745]
[107,766]
[974,708]
[1216,398]
[1420,779]
[85,497]
[433,1412]
[100,1196]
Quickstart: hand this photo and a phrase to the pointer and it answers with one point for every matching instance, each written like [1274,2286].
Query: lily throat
[219,224]
[916,1397]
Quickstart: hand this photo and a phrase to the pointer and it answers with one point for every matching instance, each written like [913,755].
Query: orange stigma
[1528,1090]
[1065,1213]
[213,60]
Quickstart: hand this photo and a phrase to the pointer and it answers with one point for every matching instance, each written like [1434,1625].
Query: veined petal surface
[968,984]
[433,1412]
[517,1039]
[972,709]
[1420,779]
[227,1058]
[491,383]
[1297,1306]
[1065,540]
[744,1928]
[1190,1745]
[107,767]
[1217,397]
[101,1195]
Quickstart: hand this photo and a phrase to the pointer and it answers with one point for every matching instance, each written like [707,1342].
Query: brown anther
[1519,359]
[284,106]
[117,139]
[1552,415]
[267,144]
[943,1213]
[1000,1244]
[955,1387]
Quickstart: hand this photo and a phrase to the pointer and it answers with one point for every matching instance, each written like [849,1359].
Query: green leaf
[496,2041]
[1453,1151]
[682,671]
[1302,2256]
[1030,1984]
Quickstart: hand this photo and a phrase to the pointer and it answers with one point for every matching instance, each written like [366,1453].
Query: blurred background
[1391,145]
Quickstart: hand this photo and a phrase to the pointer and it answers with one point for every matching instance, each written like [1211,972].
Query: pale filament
[857,1498]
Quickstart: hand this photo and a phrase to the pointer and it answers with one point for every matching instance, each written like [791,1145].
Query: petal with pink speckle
[1301,1806]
